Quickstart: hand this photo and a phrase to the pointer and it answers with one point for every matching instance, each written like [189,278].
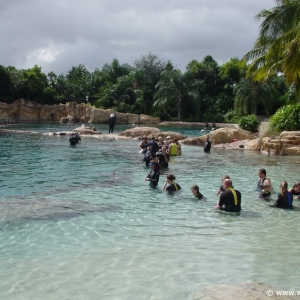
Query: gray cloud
[59,34]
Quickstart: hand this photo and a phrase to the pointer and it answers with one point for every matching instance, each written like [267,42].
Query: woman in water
[196,192]
[153,176]
[170,185]
[284,198]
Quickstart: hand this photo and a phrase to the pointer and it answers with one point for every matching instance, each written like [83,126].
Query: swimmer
[170,185]
[284,198]
[196,192]
[296,190]
[221,189]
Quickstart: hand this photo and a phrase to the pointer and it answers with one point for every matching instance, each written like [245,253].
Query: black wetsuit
[111,122]
[162,160]
[154,146]
[207,146]
[227,199]
[284,201]
[264,195]
[198,195]
[153,177]
[173,187]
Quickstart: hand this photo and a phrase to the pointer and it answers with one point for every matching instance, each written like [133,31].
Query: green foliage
[249,123]
[5,85]
[287,117]
[231,117]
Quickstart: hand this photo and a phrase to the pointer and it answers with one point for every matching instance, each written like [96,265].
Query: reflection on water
[82,221]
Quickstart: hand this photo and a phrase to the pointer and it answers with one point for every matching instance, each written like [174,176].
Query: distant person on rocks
[230,200]
[196,192]
[170,186]
[284,198]
[111,123]
[207,145]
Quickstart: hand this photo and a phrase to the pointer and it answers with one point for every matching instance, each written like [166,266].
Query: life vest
[234,196]
[261,182]
[175,186]
[173,150]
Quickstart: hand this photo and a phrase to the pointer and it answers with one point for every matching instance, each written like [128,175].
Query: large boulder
[139,132]
[221,136]
[53,112]
[287,143]
[145,119]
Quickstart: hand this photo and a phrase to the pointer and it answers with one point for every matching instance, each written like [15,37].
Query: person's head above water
[227,183]
[171,177]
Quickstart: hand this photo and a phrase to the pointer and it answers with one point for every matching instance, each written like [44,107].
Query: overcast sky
[59,34]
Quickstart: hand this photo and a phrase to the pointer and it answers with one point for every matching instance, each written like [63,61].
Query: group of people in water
[157,155]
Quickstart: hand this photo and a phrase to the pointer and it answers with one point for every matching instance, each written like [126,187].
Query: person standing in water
[207,145]
[196,192]
[153,176]
[111,123]
[230,200]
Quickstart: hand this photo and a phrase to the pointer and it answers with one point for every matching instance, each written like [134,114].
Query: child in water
[196,192]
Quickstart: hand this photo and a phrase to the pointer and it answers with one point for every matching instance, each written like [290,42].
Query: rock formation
[139,132]
[25,110]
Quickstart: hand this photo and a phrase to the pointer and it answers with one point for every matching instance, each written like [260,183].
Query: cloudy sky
[59,34]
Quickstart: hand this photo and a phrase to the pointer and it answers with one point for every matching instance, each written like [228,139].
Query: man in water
[230,200]
[263,179]
[111,123]
[207,145]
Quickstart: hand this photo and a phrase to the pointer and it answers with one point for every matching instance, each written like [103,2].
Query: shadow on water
[20,212]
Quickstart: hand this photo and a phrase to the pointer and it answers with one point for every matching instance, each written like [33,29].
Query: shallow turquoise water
[81,222]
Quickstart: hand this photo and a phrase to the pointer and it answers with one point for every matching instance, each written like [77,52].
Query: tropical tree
[5,85]
[174,88]
[277,48]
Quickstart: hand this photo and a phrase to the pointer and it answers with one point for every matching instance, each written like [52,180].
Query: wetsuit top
[263,194]
[162,160]
[284,201]
[261,182]
[198,195]
[207,146]
[173,187]
[222,188]
[231,199]
[153,177]
[112,121]
[154,146]
[143,145]
[173,150]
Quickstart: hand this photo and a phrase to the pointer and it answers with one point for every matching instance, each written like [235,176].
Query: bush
[249,123]
[266,129]
[287,117]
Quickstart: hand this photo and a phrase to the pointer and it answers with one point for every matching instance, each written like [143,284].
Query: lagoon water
[81,222]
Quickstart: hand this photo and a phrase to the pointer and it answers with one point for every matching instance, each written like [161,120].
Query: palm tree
[277,48]
[175,86]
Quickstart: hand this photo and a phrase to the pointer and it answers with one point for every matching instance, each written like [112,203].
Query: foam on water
[81,223]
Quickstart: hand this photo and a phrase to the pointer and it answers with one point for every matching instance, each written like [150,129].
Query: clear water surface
[81,222]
